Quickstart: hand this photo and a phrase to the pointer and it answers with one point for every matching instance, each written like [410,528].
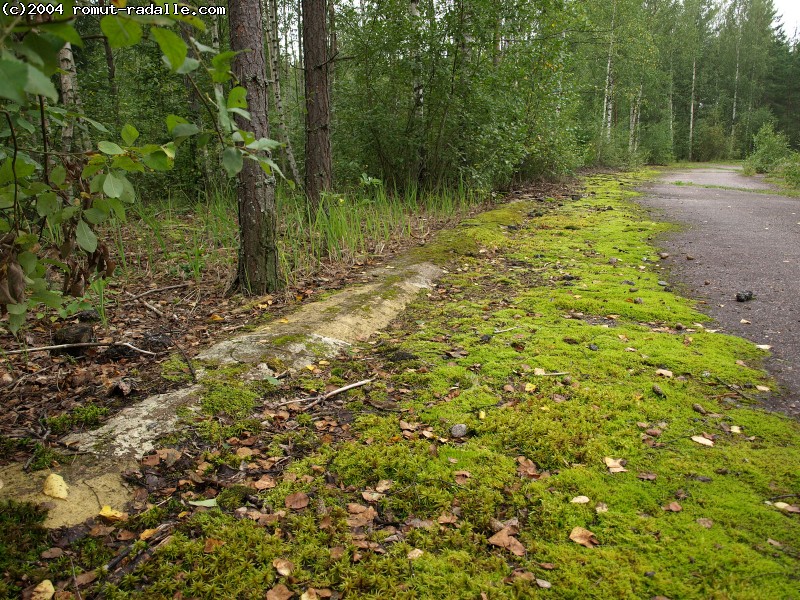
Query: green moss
[547,299]
[22,538]
[89,415]
[175,369]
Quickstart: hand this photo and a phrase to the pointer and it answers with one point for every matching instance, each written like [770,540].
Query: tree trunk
[318,142]
[258,252]
[70,99]
[691,109]
[608,97]
[274,62]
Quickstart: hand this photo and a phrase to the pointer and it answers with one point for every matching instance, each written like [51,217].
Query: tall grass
[198,239]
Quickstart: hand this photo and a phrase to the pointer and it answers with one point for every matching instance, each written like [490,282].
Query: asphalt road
[738,240]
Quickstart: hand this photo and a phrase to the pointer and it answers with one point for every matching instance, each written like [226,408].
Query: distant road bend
[741,237]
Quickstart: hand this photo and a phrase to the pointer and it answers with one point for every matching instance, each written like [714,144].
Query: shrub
[771,149]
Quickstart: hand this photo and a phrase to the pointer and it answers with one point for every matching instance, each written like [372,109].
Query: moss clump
[22,538]
[175,369]
[547,350]
[89,415]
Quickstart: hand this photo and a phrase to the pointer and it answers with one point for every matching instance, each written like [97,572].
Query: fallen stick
[80,345]
[321,398]
[146,304]
[153,291]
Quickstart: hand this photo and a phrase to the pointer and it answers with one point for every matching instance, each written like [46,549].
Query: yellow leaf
[584,537]
[615,464]
[43,591]
[55,487]
[701,440]
[109,514]
[147,534]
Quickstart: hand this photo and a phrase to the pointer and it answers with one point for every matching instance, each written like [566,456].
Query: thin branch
[161,289]
[81,345]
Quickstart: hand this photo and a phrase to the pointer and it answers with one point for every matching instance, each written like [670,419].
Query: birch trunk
[691,110]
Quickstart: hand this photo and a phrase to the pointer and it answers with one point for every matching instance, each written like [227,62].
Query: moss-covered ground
[554,339]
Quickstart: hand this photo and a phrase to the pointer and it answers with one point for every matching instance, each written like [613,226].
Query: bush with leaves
[771,149]
[53,200]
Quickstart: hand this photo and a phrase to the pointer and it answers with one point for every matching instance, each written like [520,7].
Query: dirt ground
[735,240]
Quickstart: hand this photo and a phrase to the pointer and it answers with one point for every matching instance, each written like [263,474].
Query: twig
[185,357]
[736,390]
[496,331]
[75,578]
[161,289]
[785,496]
[322,397]
[81,345]
[551,374]
[146,304]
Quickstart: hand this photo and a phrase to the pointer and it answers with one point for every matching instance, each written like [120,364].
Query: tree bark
[691,109]
[257,272]
[318,142]
[70,99]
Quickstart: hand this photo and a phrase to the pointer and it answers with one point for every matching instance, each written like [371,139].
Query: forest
[346,122]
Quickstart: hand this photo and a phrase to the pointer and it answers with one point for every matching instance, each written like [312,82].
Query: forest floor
[551,419]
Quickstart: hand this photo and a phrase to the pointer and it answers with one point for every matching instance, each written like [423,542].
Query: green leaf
[269,166]
[113,186]
[47,204]
[129,134]
[171,44]
[185,130]
[109,148]
[224,117]
[86,238]
[97,125]
[95,215]
[126,163]
[173,121]
[210,503]
[221,66]
[264,144]
[121,31]
[237,98]
[63,30]
[40,84]
[232,160]
[158,161]
[14,75]
[28,262]
[58,175]
[128,193]
[189,65]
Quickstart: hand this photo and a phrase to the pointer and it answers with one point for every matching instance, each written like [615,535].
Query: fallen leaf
[212,545]
[415,554]
[147,534]
[672,507]
[384,485]
[462,477]
[707,523]
[52,553]
[209,503]
[283,566]
[543,583]
[664,373]
[647,476]
[310,594]
[775,543]
[169,455]
[787,507]
[504,539]
[85,578]
[763,346]
[266,482]
[297,501]
[762,388]
[527,468]
[55,487]
[43,591]
[736,429]
[337,552]
[111,515]
[372,496]
[701,440]
[279,592]
[580,500]
[584,537]
[447,519]
[615,465]
[745,322]
[547,566]
[601,507]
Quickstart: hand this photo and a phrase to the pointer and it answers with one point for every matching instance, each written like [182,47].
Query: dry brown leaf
[707,523]
[310,594]
[297,501]
[52,553]
[543,583]
[169,455]
[447,519]
[283,566]
[462,477]
[775,543]
[415,554]
[265,483]
[279,592]
[702,440]
[647,476]
[372,496]
[384,485]
[584,537]
[787,507]
[360,516]
[615,465]
[504,539]
[664,373]
[337,552]
[85,578]
[212,545]
[580,500]
[601,507]
[527,468]
[672,507]
[55,487]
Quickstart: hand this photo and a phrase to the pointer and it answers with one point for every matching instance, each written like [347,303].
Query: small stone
[594,347]
[663,283]
[680,326]
[699,409]
[633,290]
[663,254]
[744,296]
[689,257]
[458,430]
[658,391]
